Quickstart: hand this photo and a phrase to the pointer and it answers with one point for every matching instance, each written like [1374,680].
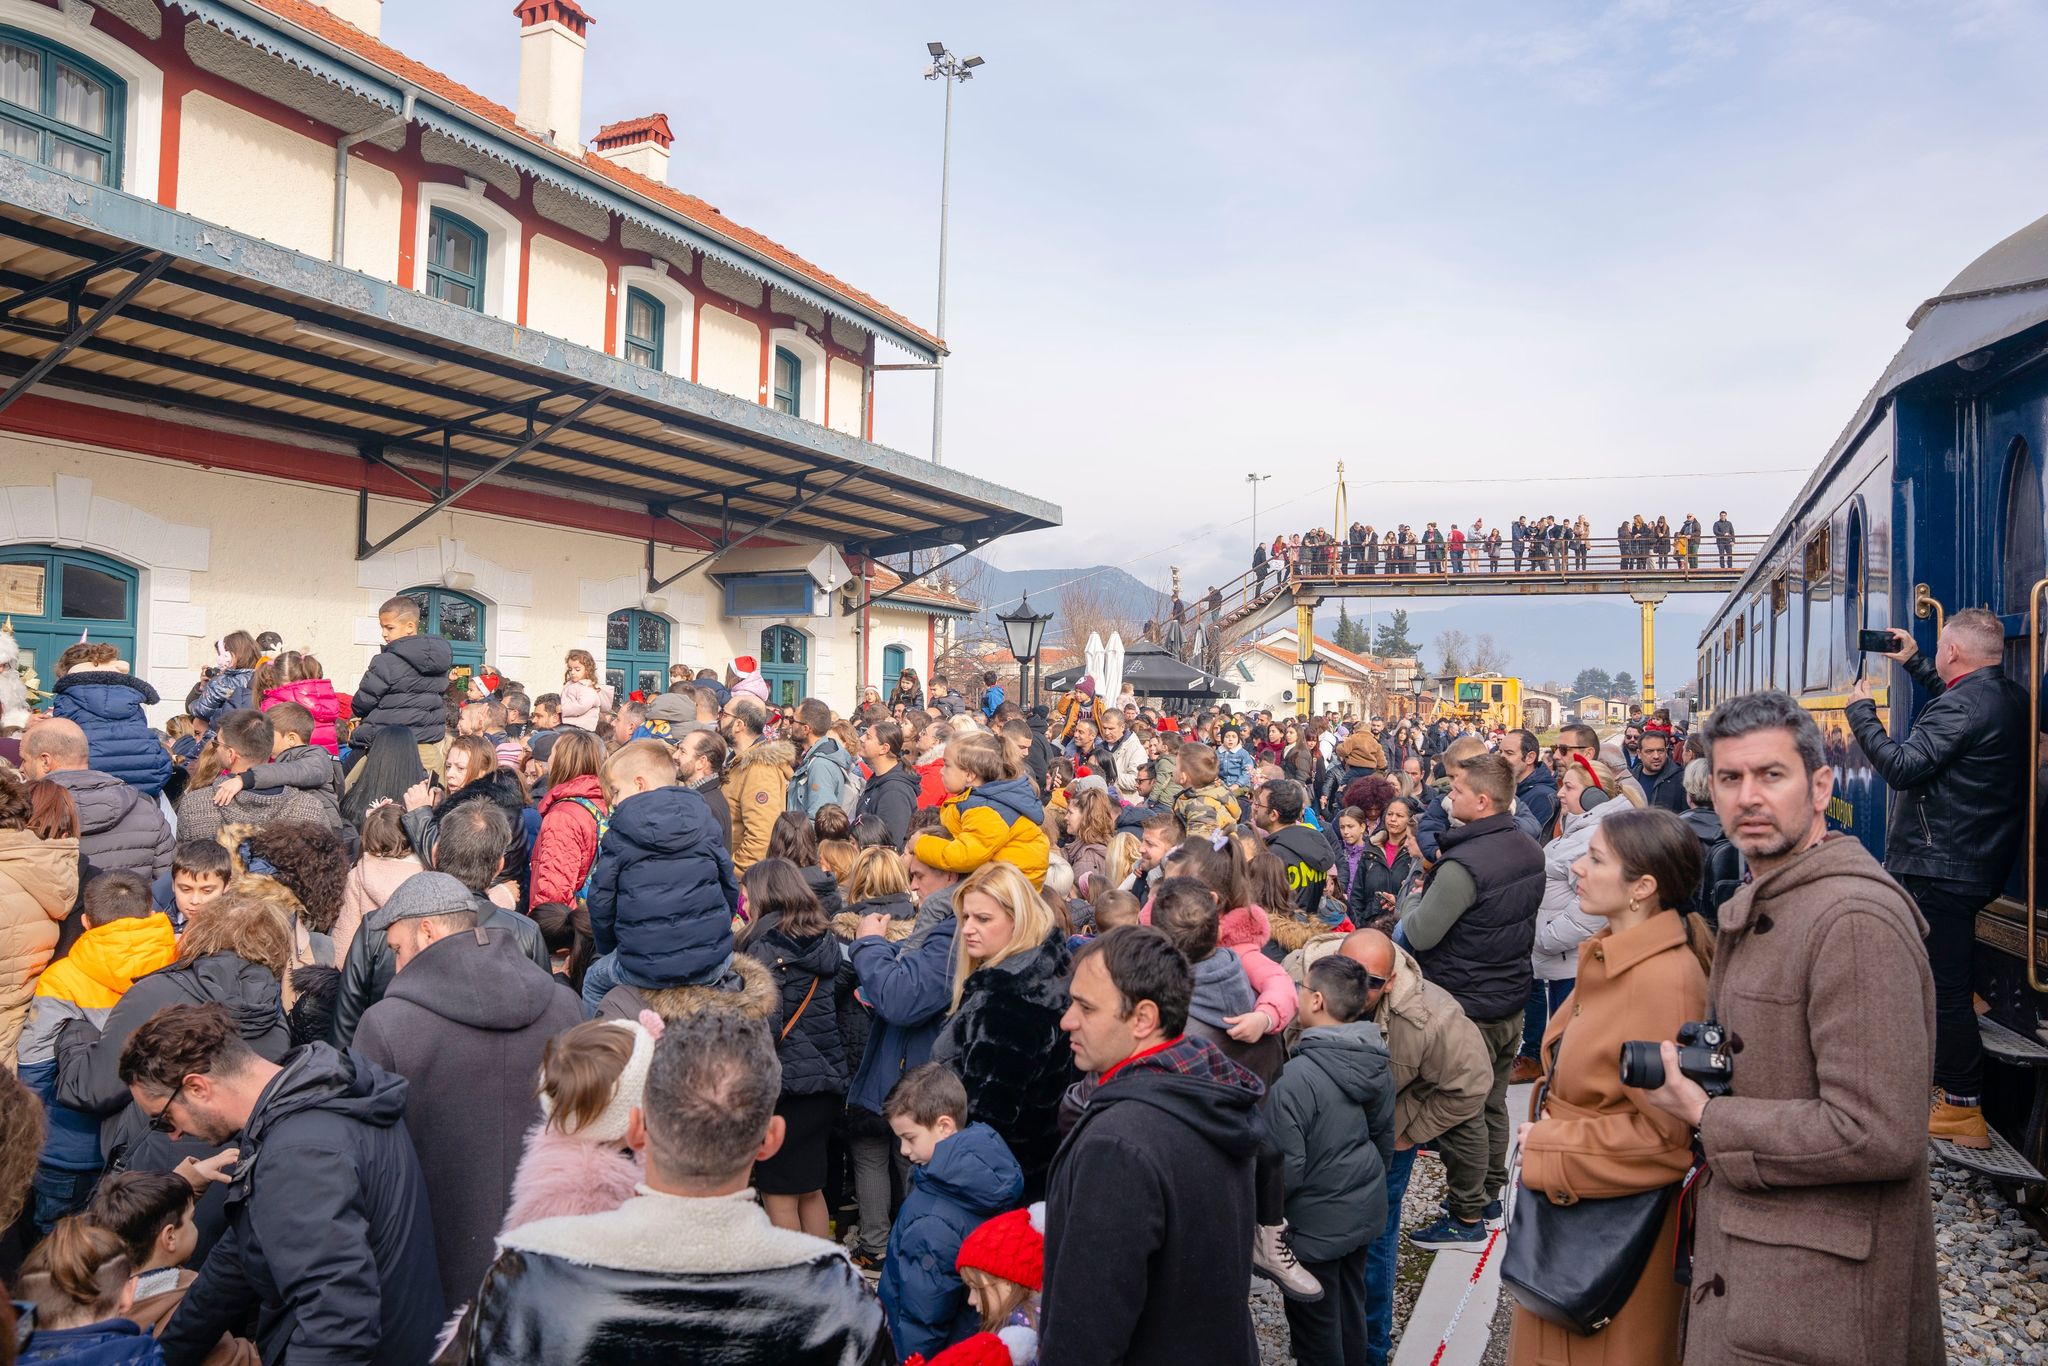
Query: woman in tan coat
[1640,977]
[38,887]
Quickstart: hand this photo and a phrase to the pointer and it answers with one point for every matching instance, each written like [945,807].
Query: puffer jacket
[1955,775]
[1000,822]
[971,1178]
[812,1050]
[406,685]
[757,787]
[38,885]
[908,984]
[823,778]
[566,848]
[1332,1115]
[1245,931]
[893,797]
[663,895]
[226,691]
[1375,875]
[584,703]
[317,696]
[500,788]
[107,705]
[86,984]
[1360,750]
[1006,1044]
[119,829]
[1560,925]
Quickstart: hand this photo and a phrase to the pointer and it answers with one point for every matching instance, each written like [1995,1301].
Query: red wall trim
[140,434]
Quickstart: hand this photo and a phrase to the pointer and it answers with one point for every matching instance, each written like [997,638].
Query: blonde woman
[1125,849]
[1003,1037]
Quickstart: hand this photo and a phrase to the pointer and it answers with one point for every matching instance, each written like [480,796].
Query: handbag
[1576,1265]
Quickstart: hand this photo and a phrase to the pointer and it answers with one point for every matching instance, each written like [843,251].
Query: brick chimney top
[631,132]
[567,13]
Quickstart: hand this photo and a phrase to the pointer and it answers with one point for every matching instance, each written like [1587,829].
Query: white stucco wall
[728,353]
[844,383]
[370,237]
[565,292]
[908,629]
[256,176]
[219,551]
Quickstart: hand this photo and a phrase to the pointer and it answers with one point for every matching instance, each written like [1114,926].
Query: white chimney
[638,145]
[364,14]
[551,69]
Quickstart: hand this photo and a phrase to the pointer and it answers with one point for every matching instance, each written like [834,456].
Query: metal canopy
[227,325]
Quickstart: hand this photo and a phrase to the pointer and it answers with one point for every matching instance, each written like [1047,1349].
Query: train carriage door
[2024,545]
[2023,587]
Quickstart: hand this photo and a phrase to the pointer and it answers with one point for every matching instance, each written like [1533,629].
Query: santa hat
[1010,1245]
[745,664]
[1015,1345]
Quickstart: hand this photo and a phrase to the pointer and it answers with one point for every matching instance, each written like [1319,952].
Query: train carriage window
[1854,572]
[1816,584]
[2026,526]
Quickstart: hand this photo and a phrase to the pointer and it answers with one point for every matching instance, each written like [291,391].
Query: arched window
[59,109]
[636,653]
[457,253]
[457,619]
[2026,528]
[645,324]
[789,382]
[784,654]
[52,598]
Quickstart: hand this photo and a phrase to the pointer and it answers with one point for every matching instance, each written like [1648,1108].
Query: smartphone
[1876,642]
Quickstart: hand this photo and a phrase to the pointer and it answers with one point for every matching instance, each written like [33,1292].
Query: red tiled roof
[648,128]
[326,24]
[1286,655]
[882,579]
[1358,662]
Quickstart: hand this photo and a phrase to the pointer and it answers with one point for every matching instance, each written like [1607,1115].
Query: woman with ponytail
[1641,976]
[78,1279]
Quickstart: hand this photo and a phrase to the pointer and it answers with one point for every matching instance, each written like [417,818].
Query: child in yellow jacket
[992,815]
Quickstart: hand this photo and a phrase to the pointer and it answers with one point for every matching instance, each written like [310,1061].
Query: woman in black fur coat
[1003,1037]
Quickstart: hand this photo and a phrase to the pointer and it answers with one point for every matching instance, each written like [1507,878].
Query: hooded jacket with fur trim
[107,705]
[673,1278]
[757,790]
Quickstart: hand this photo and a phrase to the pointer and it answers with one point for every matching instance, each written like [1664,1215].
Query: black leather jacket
[372,963]
[1960,776]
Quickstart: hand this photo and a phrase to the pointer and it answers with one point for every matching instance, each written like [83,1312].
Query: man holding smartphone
[1955,829]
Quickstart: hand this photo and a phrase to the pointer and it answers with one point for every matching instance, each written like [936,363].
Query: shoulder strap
[802,1006]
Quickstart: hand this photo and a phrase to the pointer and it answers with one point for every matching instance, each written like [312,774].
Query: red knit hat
[1011,1246]
[1013,1346]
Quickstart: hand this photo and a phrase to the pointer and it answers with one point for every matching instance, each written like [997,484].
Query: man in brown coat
[1815,1234]
[757,783]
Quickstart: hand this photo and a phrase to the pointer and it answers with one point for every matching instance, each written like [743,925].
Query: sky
[1497,258]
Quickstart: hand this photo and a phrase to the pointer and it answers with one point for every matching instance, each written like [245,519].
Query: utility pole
[949,69]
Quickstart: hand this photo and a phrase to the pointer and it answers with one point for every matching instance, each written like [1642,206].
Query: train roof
[2001,294]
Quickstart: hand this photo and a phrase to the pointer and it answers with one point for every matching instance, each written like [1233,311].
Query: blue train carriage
[1931,500]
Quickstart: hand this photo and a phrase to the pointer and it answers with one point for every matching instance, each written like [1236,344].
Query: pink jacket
[317,696]
[584,703]
[1246,931]
[754,686]
[370,884]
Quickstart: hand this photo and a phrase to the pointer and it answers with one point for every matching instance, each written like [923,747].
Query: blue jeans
[1544,999]
[1380,1259]
[600,977]
[60,1191]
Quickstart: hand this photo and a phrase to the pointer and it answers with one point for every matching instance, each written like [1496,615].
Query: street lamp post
[1255,480]
[1310,673]
[1026,630]
[949,69]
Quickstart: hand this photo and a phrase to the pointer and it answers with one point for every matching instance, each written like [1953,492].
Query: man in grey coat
[246,741]
[465,1022]
[824,776]
[119,829]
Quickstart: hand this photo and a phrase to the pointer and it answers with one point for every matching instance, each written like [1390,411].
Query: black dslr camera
[1702,1055]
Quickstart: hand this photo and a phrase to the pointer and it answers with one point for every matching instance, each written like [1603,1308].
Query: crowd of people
[449,1020]
[1531,544]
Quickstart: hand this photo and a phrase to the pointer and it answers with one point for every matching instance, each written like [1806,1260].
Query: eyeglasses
[160,1122]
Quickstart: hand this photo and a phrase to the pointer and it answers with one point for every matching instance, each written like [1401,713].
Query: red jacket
[931,791]
[317,696]
[567,843]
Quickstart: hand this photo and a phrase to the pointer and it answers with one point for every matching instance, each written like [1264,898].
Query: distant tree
[1488,657]
[1392,640]
[1592,683]
[1624,686]
[1349,634]
[1453,653]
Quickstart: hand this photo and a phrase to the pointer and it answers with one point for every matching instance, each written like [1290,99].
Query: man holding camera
[1814,1233]
[1956,828]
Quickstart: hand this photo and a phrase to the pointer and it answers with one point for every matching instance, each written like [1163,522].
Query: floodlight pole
[951,70]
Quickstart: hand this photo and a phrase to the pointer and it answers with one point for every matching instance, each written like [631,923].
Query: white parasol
[1112,681]
[1092,654]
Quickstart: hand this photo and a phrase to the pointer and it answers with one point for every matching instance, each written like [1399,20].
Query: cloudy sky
[1496,257]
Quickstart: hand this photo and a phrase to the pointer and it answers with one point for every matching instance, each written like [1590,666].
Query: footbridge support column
[1648,602]
[1304,646]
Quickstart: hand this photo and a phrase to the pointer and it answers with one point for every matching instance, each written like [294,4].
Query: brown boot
[1525,1069]
[1962,1125]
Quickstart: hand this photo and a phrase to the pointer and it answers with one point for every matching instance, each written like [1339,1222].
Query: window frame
[430,268]
[794,394]
[469,656]
[52,628]
[630,662]
[734,609]
[654,346]
[110,145]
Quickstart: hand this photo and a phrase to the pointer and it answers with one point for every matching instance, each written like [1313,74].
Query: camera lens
[1642,1066]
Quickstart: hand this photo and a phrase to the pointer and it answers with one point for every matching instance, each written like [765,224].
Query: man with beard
[1817,1156]
[329,1238]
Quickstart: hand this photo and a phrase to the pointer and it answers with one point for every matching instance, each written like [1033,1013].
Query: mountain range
[1546,638]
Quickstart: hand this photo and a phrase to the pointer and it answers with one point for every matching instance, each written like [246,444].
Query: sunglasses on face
[160,1122]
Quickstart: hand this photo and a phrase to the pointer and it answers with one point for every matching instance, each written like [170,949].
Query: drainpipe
[341,151]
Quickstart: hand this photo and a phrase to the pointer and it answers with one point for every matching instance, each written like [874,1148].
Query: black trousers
[1331,1332]
[1951,911]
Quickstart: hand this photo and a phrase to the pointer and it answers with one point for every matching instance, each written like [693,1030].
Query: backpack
[604,824]
[1720,879]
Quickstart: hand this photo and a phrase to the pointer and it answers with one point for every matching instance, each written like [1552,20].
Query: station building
[291,322]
